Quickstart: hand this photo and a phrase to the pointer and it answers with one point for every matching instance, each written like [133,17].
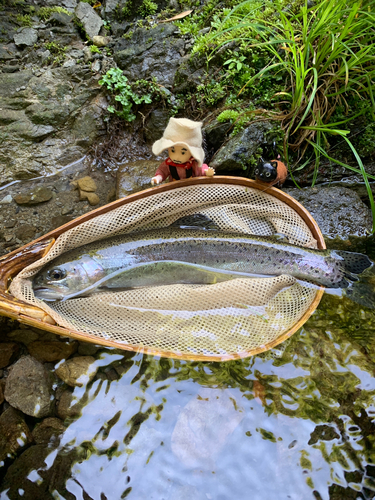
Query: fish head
[62,279]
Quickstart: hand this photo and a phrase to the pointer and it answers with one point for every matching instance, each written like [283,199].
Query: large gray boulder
[152,52]
[25,37]
[341,215]
[89,18]
[48,121]
[239,153]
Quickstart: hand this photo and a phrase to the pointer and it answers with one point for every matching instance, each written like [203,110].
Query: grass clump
[45,13]
[24,20]
[148,8]
[327,53]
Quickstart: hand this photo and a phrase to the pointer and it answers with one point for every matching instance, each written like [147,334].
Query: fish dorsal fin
[195,221]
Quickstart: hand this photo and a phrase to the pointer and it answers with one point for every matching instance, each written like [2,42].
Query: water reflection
[298,426]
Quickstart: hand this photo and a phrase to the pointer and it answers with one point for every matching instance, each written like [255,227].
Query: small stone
[100,41]
[6,200]
[77,371]
[87,184]
[48,431]
[89,18]
[28,387]
[14,433]
[60,220]
[66,210]
[51,351]
[96,66]
[87,54]
[40,195]
[69,63]
[8,351]
[92,198]
[8,238]
[25,232]
[9,224]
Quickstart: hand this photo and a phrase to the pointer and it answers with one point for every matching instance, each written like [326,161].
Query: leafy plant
[117,83]
[57,51]
[94,49]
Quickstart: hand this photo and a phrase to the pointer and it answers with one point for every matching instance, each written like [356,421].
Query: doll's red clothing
[182,170]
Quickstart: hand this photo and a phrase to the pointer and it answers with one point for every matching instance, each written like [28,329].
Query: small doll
[183,140]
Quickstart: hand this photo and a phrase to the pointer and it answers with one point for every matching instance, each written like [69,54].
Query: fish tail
[353,263]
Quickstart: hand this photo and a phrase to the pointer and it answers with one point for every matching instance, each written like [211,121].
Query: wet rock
[17,478]
[204,426]
[10,69]
[1,392]
[68,406]
[14,433]
[23,335]
[25,232]
[89,18]
[151,53]
[40,195]
[48,431]
[343,218]
[237,154]
[8,352]
[77,371]
[87,54]
[215,134]
[51,351]
[100,41]
[135,176]
[87,349]
[96,66]
[49,120]
[26,37]
[60,19]
[156,123]
[28,387]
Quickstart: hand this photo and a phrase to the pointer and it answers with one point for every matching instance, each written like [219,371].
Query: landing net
[229,319]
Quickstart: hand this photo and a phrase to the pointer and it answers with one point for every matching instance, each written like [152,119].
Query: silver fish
[175,255]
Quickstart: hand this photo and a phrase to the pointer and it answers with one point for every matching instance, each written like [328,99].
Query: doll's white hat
[182,132]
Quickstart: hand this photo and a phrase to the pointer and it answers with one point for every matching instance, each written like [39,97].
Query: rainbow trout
[175,255]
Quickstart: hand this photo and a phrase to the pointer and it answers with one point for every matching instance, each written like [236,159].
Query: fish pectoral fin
[195,221]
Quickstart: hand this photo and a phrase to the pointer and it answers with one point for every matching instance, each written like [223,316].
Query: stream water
[294,423]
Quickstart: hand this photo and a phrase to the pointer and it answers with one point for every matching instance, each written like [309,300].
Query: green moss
[24,20]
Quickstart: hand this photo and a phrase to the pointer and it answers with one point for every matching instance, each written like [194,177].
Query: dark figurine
[273,173]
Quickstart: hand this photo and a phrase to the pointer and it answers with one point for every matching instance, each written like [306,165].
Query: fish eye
[256,172]
[56,274]
[268,174]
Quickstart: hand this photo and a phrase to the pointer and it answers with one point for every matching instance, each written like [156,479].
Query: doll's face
[179,154]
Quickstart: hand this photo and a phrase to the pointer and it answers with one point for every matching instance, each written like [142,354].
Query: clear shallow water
[297,426]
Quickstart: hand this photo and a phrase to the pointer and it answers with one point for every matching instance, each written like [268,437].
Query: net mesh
[223,319]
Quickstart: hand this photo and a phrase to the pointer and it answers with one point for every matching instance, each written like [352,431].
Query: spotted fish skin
[215,250]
